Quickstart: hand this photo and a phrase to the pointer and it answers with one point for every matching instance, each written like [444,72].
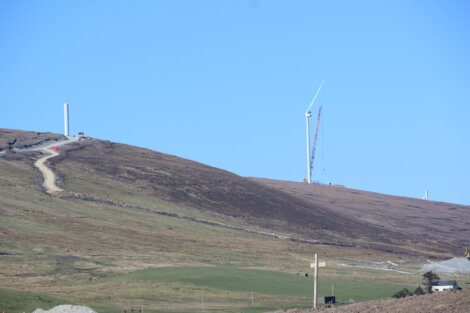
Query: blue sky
[226,83]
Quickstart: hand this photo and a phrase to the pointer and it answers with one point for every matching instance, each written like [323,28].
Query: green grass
[225,289]
[12,301]
[176,289]
[262,282]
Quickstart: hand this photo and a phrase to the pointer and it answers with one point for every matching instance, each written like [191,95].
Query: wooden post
[315,267]
[315,277]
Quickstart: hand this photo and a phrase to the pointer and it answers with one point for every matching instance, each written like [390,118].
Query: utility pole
[315,281]
[315,267]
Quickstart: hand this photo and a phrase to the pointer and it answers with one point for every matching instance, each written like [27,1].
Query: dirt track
[49,176]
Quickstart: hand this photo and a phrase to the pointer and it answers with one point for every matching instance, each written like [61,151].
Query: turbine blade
[315,97]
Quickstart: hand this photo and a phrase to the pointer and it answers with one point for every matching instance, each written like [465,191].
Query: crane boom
[315,139]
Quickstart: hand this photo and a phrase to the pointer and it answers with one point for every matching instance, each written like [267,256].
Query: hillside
[12,138]
[127,209]
[441,224]
[325,214]
[455,302]
[197,186]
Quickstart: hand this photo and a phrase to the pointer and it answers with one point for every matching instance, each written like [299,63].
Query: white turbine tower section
[308,114]
[66,120]
[425,197]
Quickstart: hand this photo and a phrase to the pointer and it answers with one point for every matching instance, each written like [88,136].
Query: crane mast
[315,139]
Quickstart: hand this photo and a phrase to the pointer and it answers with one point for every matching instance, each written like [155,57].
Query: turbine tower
[308,114]
[425,197]
[66,120]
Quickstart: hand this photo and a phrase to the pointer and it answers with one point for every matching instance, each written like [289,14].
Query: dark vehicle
[330,300]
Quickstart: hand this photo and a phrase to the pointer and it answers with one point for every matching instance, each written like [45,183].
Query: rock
[67,308]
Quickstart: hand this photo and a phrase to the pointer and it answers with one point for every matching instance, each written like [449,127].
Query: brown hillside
[441,302]
[198,186]
[323,214]
[441,224]
[20,139]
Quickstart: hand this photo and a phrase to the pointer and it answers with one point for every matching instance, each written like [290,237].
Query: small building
[445,285]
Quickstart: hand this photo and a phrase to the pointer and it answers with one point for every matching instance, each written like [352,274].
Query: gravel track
[49,176]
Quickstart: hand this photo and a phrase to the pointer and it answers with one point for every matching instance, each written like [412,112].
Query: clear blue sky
[226,83]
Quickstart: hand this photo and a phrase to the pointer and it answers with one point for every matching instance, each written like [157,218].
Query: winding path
[49,176]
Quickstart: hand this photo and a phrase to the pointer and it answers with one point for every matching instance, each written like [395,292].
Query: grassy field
[261,282]
[20,301]
[214,289]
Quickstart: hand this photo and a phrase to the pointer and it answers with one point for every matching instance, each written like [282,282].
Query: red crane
[315,139]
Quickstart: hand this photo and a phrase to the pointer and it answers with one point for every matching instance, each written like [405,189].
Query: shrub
[419,291]
[402,293]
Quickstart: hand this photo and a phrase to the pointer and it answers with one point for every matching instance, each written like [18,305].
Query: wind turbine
[308,114]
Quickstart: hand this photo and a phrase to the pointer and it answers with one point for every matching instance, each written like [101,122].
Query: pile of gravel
[455,265]
[67,308]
